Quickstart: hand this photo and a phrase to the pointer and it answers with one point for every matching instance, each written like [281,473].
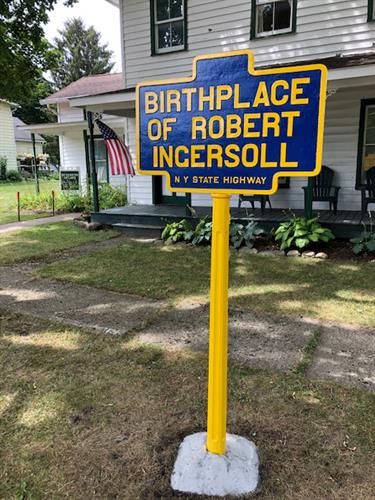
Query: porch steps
[144,230]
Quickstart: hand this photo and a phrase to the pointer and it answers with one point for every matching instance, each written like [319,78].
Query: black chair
[261,198]
[368,191]
[323,189]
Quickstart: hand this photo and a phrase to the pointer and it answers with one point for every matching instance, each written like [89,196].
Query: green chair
[261,198]
[323,189]
[368,191]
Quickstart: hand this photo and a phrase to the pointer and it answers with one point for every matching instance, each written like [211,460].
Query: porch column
[35,164]
[94,176]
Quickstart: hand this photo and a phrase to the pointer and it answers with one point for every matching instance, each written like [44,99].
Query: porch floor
[345,224]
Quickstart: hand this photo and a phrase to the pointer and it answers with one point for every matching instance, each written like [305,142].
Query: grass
[8,203]
[308,353]
[337,291]
[93,416]
[40,241]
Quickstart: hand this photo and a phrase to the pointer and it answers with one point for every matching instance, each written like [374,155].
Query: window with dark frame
[101,159]
[371,10]
[273,17]
[168,25]
[366,147]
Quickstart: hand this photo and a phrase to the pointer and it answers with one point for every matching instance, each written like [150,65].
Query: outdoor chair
[261,198]
[323,189]
[368,191]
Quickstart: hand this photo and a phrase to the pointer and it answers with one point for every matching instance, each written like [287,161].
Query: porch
[152,218]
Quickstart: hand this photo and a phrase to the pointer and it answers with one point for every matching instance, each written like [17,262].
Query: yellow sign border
[253,72]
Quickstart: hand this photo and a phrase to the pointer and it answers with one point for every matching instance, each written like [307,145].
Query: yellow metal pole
[218,351]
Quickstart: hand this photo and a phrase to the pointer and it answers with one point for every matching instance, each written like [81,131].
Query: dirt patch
[259,340]
[345,356]
[95,416]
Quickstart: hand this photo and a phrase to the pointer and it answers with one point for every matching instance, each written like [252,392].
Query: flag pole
[94,175]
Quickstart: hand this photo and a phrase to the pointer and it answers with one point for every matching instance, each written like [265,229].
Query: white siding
[7,140]
[340,153]
[140,186]
[68,114]
[72,154]
[324,28]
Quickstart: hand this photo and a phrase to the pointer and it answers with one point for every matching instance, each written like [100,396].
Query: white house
[72,130]
[161,37]
[7,136]
[24,143]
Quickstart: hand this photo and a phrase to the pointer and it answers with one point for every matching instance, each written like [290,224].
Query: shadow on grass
[324,290]
[39,241]
[93,416]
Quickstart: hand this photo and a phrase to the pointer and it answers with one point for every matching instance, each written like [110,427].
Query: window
[371,10]
[366,146]
[273,17]
[101,159]
[168,19]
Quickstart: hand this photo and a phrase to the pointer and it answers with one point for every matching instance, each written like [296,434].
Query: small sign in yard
[228,129]
[69,180]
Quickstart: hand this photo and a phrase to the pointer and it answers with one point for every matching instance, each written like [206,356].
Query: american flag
[120,161]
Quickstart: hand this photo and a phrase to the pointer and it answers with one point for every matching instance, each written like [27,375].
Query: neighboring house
[161,37]
[24,143]
[7,136]
[72,130]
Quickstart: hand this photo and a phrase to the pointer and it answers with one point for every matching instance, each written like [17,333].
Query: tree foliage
[24,52]
[80,53]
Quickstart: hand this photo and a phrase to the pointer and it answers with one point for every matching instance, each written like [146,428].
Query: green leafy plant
[300,233]
[202,233]
[244,235]
[109,197]
[3,168]
[13,176]
[177,231]
[365,242]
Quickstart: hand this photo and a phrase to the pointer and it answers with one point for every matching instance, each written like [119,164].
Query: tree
[24,52]
[81,53]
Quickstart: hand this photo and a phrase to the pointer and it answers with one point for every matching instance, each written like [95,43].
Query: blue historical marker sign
[232,129]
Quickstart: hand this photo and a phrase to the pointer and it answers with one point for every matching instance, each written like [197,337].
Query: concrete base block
[197,471]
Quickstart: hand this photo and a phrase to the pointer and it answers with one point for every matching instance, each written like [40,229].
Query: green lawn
[39,241]
[340,291]
[97,416]
[8,203]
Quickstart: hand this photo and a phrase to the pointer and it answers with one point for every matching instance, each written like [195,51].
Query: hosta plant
[244,235]
[177,231]
[365,242]
[300,233]
[202,233]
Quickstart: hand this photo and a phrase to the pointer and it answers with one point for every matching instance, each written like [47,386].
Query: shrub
[72,203]
[13,176]
[55,176]
[45,174]
[177,231]
[202,233]
[365,242]
[26,175]
[3,168]
[244,235]
[111,197]
[42,201]
[300,232]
